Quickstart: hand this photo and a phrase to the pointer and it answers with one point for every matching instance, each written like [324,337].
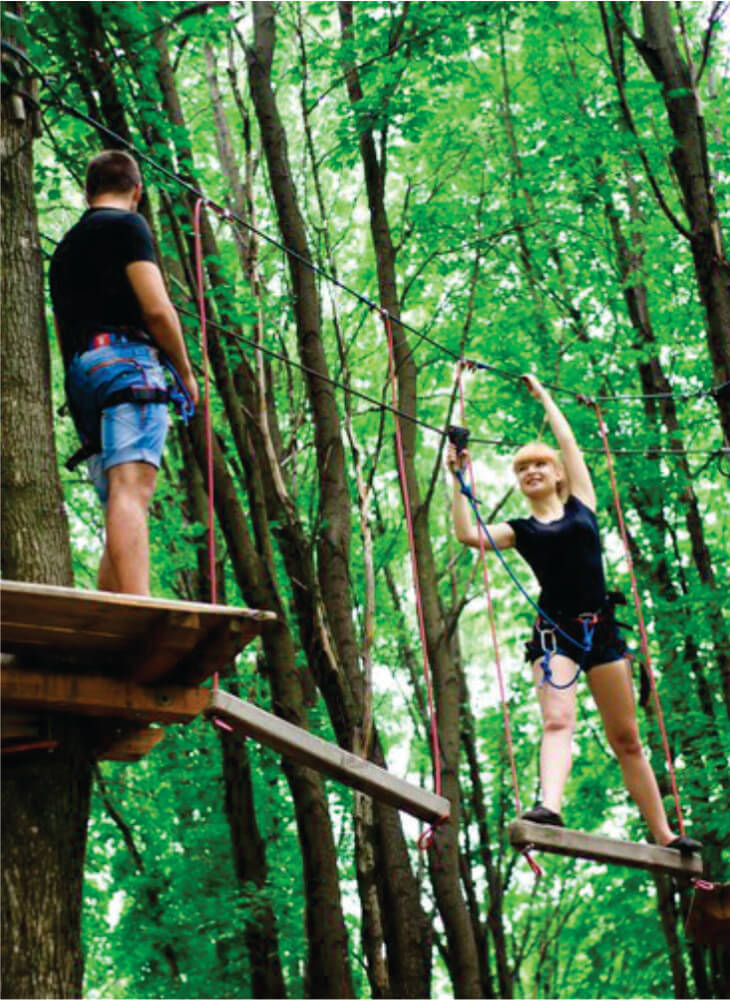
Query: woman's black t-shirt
[565,556]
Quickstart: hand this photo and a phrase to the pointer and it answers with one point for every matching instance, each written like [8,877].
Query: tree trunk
[328,963]
[397,892]
[444,857]
[45,796]
[690,162]
[249,856]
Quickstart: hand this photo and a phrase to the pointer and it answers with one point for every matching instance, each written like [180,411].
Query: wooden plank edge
[17,587]
[100,696]
[305,748]
[576,844]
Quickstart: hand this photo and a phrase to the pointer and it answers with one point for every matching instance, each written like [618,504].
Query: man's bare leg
[126,559]
[107,578]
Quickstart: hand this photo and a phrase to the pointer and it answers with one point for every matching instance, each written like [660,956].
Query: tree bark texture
[45,795]
[34,541]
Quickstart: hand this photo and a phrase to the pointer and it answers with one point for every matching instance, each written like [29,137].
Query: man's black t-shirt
[90,290]
[565,556]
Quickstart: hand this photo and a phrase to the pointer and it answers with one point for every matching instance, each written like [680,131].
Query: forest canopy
[535,187]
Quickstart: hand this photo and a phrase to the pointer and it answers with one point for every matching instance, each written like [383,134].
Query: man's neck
[123,202]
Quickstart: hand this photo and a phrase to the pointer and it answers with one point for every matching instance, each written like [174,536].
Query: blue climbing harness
[136,390]
[549,646]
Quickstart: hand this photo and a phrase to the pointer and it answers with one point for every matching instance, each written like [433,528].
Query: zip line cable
[378,404]
[227,214]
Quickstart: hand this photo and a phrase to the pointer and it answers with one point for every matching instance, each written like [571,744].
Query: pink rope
[206,405]
[495,641]
[426,838]
[639,613]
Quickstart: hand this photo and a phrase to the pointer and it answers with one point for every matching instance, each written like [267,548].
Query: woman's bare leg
[558,722]
[610,684]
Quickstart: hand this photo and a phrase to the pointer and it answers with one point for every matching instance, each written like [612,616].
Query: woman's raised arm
[467,531]
[579,478]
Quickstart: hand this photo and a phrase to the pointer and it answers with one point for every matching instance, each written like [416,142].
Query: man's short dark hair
[112,171]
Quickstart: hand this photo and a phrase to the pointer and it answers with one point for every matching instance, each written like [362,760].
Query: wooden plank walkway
[576,844]
[305,748]
[145,639]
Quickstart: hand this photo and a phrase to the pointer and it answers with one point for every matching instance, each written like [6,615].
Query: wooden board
[85,694]
[142,638]
[576,844]
[305,748]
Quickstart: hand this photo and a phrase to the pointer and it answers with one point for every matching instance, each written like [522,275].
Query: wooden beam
[133,745]
[84,695]
[305,748]
[576,844]
[163,646]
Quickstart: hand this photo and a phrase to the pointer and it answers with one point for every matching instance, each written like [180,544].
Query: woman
[561,543]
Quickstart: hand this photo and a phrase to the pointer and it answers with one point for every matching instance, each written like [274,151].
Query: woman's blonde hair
[537,450]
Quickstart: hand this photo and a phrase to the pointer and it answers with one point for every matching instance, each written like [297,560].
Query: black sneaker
[685,845]
[541,814]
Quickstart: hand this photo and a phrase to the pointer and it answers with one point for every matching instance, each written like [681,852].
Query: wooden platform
[144,639]
[126,662]
[576,844]
[348,768]
[128,659]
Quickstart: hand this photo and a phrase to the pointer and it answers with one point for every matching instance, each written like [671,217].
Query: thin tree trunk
[328,964]
[397,890]
[444,858]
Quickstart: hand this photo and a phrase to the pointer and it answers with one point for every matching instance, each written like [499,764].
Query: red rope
[206,405]
[426,839]
[639,613]
[495,641]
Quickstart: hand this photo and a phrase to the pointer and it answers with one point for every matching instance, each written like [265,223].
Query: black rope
[378,404]
[227,214]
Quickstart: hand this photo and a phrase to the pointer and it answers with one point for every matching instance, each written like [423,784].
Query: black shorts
[608,644]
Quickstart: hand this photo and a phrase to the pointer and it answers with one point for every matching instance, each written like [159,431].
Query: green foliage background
[456,200]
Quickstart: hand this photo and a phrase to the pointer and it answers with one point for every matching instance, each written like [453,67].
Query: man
[113,318]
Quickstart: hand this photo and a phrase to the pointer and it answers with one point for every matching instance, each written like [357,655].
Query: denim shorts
[129,432]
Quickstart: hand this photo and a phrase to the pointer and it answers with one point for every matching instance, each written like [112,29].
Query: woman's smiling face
[539,471]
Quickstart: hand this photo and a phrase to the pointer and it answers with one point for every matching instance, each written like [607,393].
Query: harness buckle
[547,635]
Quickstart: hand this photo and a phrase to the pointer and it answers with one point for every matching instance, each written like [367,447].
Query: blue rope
[589,627]
[466,491]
